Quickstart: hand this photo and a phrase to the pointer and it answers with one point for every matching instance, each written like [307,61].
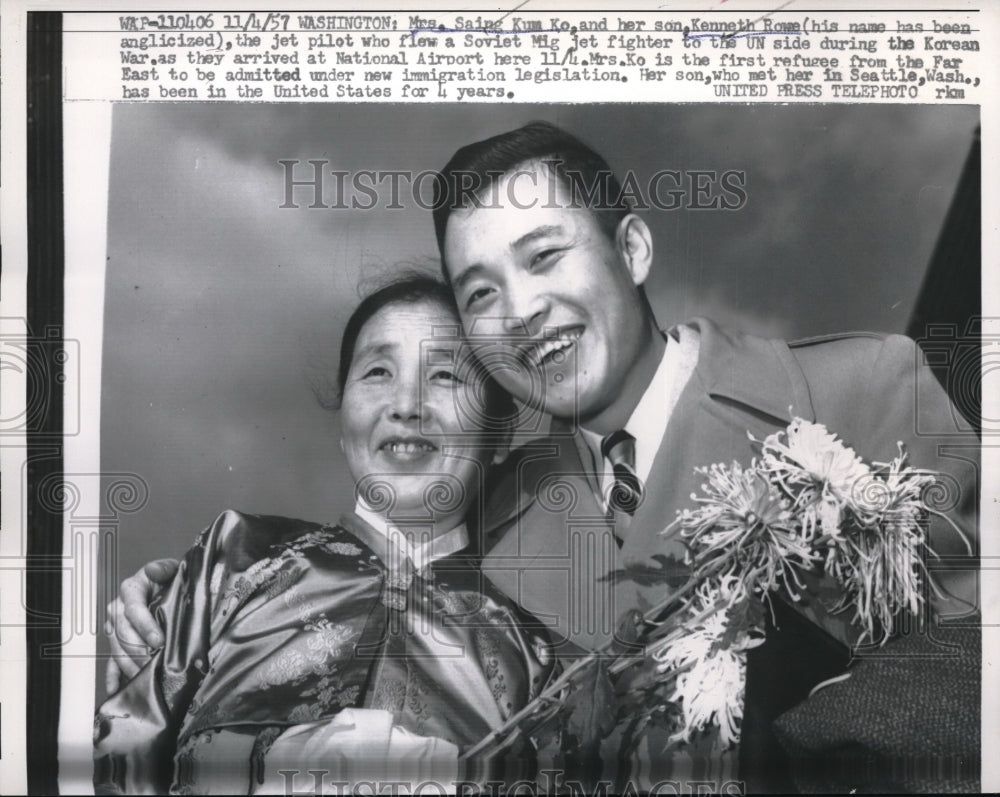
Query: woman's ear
[500,454]
[502,448]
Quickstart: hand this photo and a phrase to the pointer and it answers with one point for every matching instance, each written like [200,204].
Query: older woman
[333,649]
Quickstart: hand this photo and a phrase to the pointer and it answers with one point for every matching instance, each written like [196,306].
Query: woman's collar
[413,540]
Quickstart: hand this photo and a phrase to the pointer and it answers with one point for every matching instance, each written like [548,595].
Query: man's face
[545,280]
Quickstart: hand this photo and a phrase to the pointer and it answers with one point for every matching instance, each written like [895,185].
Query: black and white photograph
[641,372]
[512,447]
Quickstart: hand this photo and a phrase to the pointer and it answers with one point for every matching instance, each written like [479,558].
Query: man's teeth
[543,350]
[408,448]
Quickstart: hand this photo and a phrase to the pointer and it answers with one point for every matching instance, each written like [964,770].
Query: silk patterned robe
[272,622]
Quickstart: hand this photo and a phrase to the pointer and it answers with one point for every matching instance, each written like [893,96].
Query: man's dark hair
[475,168]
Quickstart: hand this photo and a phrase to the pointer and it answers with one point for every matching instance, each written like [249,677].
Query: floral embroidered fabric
[272,622]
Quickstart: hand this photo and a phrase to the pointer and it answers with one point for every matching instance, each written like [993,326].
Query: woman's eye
[375,372]
[477,295]
[446,376]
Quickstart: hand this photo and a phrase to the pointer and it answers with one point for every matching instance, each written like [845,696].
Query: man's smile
[538,353]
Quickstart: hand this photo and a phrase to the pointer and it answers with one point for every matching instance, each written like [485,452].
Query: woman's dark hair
[410,289]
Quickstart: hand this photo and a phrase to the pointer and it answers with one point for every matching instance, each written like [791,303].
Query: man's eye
[446,376]
[375,372]
[543,256]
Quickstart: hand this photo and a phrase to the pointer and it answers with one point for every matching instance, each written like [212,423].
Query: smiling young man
[547,263]
[546,259]
[554,281]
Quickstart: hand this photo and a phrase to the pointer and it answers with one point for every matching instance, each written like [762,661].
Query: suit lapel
[549,481]
[741,384]
[551,557]
[551,549]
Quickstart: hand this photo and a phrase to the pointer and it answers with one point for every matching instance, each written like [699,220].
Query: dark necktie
[626,492]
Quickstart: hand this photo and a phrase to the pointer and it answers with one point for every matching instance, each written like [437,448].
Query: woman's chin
[425,493]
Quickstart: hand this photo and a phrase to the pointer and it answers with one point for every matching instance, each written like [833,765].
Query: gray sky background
[219,304]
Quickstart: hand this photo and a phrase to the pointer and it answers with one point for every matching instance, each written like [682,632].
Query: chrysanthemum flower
[742,517]
[878,558]
[814,465]
[710,685]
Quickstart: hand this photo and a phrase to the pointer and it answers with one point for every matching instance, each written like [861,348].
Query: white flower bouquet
[806,504]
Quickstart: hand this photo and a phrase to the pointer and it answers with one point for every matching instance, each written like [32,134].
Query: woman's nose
[406,404]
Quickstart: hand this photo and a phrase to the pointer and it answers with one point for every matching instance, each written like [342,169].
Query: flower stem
[553,689]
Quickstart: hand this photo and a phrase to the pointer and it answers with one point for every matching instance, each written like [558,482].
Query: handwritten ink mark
[490,31]
[515,8]
[739,34]
[761,17]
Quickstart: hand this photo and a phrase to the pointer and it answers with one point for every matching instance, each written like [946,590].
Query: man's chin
[545,393]
[576,407]
[563,405]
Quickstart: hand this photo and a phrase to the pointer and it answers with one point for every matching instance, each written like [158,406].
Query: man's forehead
[526,204]
[531,185]
[525,210]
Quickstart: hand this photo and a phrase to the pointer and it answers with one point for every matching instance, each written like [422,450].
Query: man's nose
[526,309]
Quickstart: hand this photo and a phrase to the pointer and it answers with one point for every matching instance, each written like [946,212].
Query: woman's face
[406,413]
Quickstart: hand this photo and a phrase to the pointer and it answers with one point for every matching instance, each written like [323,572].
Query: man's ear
[635,244]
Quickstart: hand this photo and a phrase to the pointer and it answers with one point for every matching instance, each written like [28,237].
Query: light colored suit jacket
[548,544]
[547,539]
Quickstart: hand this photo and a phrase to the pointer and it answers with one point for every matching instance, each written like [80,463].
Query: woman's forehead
[406,325]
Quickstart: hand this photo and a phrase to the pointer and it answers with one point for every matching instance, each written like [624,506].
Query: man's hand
[131,627]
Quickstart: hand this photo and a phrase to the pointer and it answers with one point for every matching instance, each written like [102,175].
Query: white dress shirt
[649,419]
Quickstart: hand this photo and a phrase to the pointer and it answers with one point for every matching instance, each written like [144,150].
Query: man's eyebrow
[539,232]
